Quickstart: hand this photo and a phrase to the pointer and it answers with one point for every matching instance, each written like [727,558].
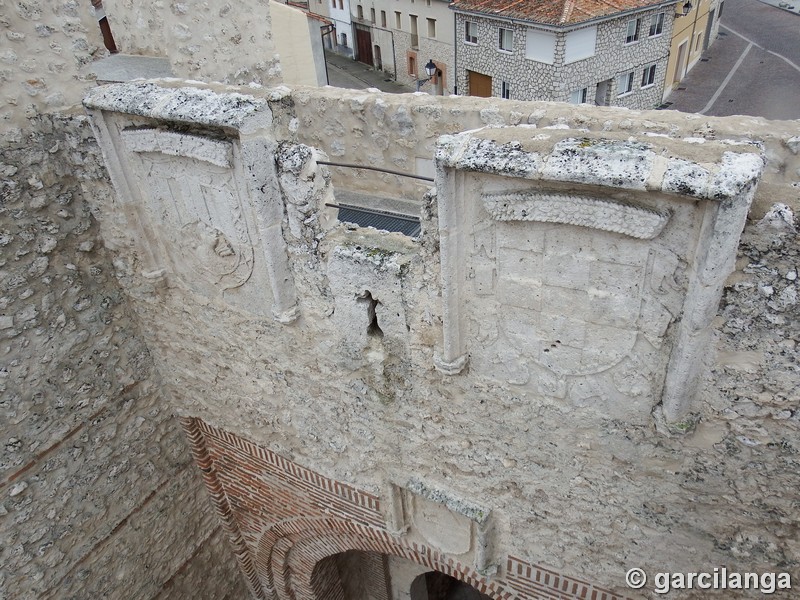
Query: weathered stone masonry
[97,497]
[334,437]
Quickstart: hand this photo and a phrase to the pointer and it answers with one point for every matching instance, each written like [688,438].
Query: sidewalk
[792,6]
[347,73]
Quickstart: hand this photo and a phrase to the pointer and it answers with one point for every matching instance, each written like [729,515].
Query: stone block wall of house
[533,80]
[98,494]
[332,430]
[48,47]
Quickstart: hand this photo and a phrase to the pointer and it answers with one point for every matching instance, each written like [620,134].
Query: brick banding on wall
[285,520]
[220,502]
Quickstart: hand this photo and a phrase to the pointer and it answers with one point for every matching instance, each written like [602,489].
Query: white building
[402,36]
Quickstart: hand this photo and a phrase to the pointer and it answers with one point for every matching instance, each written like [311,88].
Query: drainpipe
[455,56]
[323,31]
[105,28]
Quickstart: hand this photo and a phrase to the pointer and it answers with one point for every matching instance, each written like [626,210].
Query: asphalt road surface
[753,68]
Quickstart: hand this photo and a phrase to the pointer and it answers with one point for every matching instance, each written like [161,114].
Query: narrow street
[753,68]
[344,72]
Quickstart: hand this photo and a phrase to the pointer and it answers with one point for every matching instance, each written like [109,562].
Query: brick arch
[289,551]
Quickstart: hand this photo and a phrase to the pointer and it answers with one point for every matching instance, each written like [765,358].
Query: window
[579,96]
[505,39]
[697,42]
[383,18]
[412,65]
[372,14]
[580,44]
[397,22]
[412,21]
[632,32]
[431,28]
[656,24]
[540,46]
[470,32]
[341,4]
[624,83]
[360,11]
[343,38]
[505,90]
[649,76]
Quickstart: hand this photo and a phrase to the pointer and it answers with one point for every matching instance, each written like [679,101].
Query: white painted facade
[339,11]
[408,34]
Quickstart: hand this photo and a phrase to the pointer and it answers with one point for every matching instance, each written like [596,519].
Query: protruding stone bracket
[596,263]
[444,522]
[197,186]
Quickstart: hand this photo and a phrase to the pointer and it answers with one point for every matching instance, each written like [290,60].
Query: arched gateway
[301,536]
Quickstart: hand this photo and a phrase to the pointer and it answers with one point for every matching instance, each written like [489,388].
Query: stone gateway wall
[98,494]
[48,46]
[342,421]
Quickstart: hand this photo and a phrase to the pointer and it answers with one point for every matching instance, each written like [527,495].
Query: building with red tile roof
[606,52]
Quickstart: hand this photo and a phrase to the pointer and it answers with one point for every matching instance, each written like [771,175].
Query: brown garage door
[479,84]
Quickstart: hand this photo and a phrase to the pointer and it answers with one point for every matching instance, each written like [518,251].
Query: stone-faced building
[572,51]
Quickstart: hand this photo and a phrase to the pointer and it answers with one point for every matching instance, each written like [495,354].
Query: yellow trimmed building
[695,28]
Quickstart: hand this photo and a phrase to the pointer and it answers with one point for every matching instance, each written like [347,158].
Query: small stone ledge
[196,105]
[471,511]
[659,165]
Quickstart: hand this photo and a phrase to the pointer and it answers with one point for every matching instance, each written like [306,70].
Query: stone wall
[48,46]
[533,80]
[98,494]
[367,128]
[339,423]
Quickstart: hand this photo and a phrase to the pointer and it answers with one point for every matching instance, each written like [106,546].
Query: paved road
[346,73]
[752,69]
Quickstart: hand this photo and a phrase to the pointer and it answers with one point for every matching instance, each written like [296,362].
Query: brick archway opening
[438,586]
[301,559]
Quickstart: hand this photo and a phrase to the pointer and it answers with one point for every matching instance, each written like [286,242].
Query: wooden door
[479,84]
[363,44]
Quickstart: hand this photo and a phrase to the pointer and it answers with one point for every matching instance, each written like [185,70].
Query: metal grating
[379,219]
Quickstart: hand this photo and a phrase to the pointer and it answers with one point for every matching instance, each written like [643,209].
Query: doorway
[363,44]
[710,24]
[480,85]
[438,586]
[679,63]
[602,97]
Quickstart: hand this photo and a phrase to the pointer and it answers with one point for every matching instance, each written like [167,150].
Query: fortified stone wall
[98,494]
[372,129]
[48,47]
[305,363]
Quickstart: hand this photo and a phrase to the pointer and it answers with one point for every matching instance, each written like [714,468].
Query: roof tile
[551,12]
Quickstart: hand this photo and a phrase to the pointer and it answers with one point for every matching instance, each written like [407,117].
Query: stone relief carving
[598,297]
[438,519]
[576,210]
[201,208]
[204,208]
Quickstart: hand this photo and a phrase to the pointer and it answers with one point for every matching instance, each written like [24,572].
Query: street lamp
[686,9]
[431,70]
